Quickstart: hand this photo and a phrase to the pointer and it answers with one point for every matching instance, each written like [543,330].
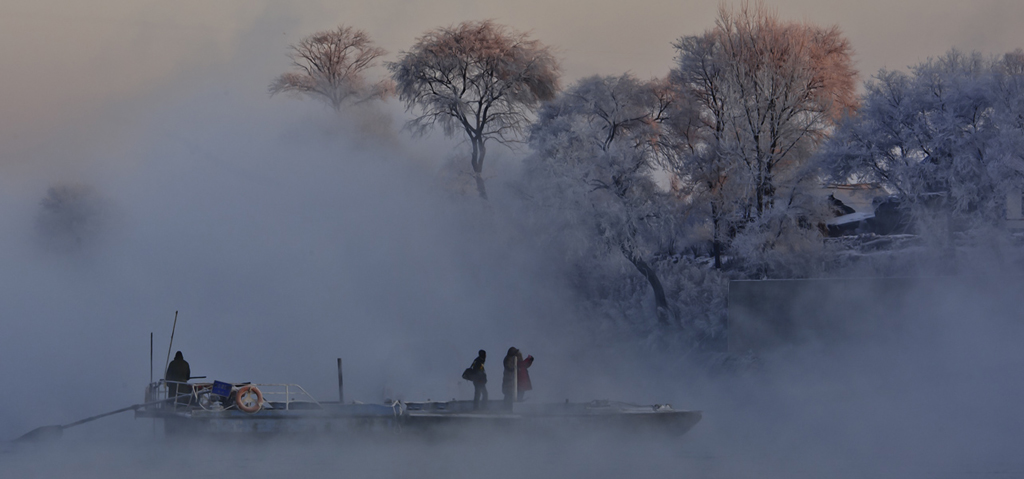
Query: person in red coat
[522,375]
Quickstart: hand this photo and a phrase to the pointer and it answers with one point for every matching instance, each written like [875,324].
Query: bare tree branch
[329,66]
[477,78]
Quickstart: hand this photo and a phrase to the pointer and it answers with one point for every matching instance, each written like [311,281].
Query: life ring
[248,398]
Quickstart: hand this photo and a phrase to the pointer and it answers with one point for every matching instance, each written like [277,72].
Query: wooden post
[341,385]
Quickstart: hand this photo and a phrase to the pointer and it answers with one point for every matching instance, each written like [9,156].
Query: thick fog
[283,236]
[934,396]
[286,236]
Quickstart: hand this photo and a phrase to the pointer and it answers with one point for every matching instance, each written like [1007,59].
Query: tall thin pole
[172,341]
[341,384]
[151,358]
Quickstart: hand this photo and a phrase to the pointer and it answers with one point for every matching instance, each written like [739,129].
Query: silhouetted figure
[508,379]
[479,379]
[523,383]
[178,373]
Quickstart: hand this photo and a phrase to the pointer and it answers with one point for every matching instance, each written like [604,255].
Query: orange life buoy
[248,398]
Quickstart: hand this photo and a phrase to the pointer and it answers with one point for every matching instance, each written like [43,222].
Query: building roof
[859,196]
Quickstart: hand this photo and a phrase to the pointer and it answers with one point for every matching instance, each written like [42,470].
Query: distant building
[869,208]
[853,207]
[860,197]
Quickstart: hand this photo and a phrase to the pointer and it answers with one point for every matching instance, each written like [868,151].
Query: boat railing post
[341,385]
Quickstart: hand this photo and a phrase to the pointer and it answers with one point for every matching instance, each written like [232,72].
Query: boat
[219,408]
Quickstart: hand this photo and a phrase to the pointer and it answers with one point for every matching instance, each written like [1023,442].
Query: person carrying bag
[478,377]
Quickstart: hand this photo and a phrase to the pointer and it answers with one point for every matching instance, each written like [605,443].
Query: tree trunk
[716,243]
[660,302]
[480,188]
[760,195]
[478,166]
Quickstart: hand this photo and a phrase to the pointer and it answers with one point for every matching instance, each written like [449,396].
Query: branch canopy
[767,93]
[330,66]
[477,77]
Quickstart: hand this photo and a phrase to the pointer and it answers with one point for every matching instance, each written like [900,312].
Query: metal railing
[291,393]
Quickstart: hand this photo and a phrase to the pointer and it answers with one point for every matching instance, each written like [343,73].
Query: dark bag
[469,374]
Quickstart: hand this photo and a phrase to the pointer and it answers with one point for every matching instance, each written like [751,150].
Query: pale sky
[60,60]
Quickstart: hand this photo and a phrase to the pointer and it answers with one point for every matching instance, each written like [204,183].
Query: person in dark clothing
[508,379]
[178,373]
[479,380]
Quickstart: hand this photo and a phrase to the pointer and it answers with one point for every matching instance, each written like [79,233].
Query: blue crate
[221,389]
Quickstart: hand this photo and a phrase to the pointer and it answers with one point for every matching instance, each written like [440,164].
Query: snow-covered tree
[946,138]
[768,91]
[765,93]
[478,78]
[595,153]
[330,66]
[1008,106]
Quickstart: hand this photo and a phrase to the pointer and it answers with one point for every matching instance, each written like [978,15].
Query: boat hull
[435,419]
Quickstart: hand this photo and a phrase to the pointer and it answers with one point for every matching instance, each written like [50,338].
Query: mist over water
[286,237]
[933,398]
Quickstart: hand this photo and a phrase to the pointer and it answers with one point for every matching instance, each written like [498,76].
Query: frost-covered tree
[765,92]
[331,66]
[710,181]
[70,216]
[1008,113]
[946,138]
[479,79]
[595,154]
